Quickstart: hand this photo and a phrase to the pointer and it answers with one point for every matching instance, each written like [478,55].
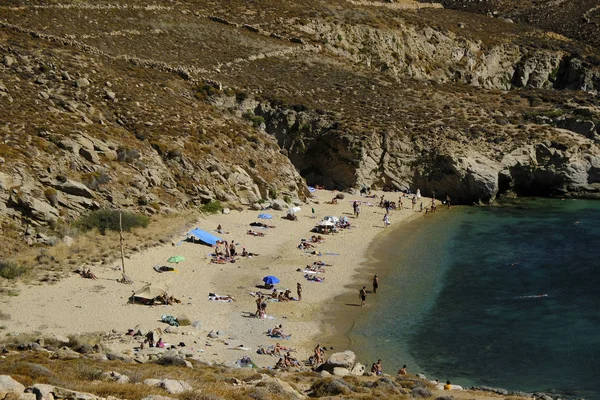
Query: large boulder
[74,188]
[358,370]
[9,385]
[345,359]
[279,205]
[170,385]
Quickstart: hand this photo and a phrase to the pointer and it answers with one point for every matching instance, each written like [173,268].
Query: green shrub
[11,270]
[213,207]
[287,199]
[104,220]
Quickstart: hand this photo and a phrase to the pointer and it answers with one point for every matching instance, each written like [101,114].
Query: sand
[78,305]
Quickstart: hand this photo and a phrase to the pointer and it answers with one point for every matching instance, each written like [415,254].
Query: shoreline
[77,305]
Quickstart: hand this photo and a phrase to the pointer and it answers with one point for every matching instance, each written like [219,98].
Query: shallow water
[501,296]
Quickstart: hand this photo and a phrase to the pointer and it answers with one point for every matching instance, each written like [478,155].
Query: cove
[503,296]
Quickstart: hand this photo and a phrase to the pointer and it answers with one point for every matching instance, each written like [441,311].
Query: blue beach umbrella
[270,280]
[265,216]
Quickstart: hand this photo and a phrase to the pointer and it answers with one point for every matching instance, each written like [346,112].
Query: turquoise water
[503,296]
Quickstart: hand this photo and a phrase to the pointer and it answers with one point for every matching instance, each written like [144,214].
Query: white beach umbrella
[293,210]
[326,223]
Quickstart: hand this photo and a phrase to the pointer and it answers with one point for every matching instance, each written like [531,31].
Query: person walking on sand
[448,200]
[375,284]
[386,220]
[363,295]
[299,290]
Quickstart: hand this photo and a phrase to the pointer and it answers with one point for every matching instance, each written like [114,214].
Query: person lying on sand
[322,264]
[282,298]
[87,274]
[222,260]
[290,361]
[304,245]
[221,298]
[317,239]
[254,233]
[312,269]
[314,278]
[291,217]
[333,201]
[262,225]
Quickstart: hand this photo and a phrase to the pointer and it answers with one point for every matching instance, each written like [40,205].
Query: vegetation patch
[213,207]
[104,220]
[11,270]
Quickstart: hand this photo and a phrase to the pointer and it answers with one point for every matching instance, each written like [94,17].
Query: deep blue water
[505,296]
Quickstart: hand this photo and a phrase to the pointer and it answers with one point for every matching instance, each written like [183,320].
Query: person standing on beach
[375,284]
[402,370]
[400,203]
[363,295]
[414,202]
[299,290]
[386,220]
[448,200]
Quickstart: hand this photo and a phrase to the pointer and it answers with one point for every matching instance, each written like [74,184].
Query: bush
[104,220]
[88,373]
[213,207]
[10,270]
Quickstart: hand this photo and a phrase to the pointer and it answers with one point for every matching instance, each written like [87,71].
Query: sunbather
[88,274]
[291,217]
[245,253]
[254,233]
[278,332]
[322,263]
[314,278]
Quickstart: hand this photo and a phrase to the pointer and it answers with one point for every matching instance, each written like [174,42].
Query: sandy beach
[78,305]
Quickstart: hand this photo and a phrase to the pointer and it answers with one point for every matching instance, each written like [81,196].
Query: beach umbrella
[176,259]
[293,210]
[270,280]
[326,223]
[265,216]
[150,291]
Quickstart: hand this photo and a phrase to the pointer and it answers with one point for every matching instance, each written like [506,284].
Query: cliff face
[163,107]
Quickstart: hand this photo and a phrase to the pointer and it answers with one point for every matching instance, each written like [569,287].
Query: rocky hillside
[577,19]
[171,105]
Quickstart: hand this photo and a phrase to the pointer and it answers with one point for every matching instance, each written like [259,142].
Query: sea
[504,296]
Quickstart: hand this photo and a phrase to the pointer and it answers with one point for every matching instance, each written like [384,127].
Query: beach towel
[163,268]
[308,271]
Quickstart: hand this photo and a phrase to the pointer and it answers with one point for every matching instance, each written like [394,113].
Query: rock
[340,196]
[255,206]
[62,393]
[74,188]
[110,95]
[170,385]
[65,76]
[9,385]
[445,398]
[420,392]
[8,60]
[276,385]
[169,360]
[44,391]
[421,376]
[325,374]
[187,353]
[157,397]
[499,391]
[226,211]
[89,155]
[212,335]
[345,359]
[358,369]
[279,205]
[114,376]
[171,329]
[82,82]
[36,209]
[339,371]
